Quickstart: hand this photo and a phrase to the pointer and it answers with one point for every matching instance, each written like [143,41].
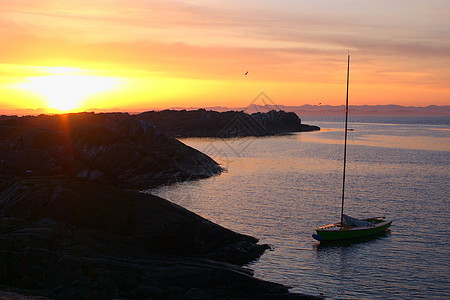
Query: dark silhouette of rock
[203,123]
[72,228]
[72,239]
[149,220]
[114,148]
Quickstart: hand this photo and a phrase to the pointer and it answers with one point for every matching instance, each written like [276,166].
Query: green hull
[334,232]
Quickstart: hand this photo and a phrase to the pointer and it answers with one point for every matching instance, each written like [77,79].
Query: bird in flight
[246,73]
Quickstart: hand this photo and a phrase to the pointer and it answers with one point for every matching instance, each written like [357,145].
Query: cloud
[286,24]
[400,42]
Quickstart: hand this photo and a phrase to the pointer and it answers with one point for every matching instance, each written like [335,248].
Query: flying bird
[246,73]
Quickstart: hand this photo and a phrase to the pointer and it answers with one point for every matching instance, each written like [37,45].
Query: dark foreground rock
[71,228]
[203,123]
[72,239]
[117,149]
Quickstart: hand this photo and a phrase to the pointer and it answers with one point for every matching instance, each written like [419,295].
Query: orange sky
[131,55]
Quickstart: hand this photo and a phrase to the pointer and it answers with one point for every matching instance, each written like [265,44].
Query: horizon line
[388,109]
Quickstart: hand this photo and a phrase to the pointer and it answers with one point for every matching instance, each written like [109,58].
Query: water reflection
[383,135]
[279,189]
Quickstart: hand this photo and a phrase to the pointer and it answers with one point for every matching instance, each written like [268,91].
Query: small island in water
[73,224]
[228,124]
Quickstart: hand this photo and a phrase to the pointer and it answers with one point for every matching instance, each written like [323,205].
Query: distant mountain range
[359,110]
[302,110]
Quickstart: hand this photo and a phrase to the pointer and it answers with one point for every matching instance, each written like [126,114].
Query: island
[228,124]
[73,224]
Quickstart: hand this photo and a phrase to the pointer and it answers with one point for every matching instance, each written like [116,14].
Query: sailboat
[348,227]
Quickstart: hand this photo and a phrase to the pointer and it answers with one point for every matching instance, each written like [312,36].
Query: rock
[110,148]
[71,228]
[149,221]
[65,238]
[16,296]
[202,123]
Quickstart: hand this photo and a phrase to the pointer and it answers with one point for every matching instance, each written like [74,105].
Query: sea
[280,188]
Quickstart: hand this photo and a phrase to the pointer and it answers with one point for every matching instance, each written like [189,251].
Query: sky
[138,54]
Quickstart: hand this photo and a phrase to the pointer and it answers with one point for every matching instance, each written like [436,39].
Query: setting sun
[65,92]
[83,55]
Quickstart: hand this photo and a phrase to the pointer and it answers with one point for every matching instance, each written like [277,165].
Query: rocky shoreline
[72,225]
[229,124]
[117,149]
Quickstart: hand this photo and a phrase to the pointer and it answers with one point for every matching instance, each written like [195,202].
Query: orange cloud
[198,51]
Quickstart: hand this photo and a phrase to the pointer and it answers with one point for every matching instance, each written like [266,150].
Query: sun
[67,92]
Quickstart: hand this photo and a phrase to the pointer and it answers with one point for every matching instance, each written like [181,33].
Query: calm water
[280,188]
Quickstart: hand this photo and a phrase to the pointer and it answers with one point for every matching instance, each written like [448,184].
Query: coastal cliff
[72,225]
[206,123]
[64,238]
[113,148]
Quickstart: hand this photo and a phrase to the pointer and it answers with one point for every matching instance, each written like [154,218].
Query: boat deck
[338,227]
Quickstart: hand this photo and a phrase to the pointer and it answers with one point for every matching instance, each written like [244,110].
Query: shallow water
[280,188]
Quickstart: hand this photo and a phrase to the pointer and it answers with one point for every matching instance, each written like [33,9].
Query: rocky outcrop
[148,220]
[203,123]
[70,230]
[112,148]
[72,239]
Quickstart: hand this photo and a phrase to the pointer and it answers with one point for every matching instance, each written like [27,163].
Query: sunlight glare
[67,91]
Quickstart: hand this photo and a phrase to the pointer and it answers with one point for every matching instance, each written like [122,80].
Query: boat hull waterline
[335,231]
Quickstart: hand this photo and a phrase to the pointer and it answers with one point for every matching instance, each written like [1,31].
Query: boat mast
[345,140]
